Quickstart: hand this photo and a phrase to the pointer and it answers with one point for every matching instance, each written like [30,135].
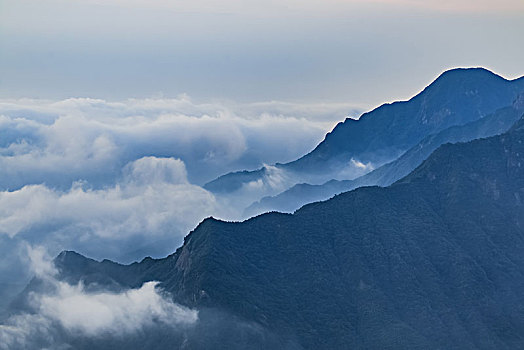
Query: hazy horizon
[355,52]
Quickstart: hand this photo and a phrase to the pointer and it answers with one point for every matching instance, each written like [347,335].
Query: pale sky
[356,51]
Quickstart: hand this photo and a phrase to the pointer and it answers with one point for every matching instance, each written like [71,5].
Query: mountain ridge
[304,193]
[456,97]
[432,261]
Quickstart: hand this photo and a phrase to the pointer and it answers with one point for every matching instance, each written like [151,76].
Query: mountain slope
[432,262]
[456,97]
[301,194]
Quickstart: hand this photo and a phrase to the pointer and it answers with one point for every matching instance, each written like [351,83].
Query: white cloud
[40,262]
[150,170]
[77,311]
[117,313]
[88,139]
[153,197]
[121,180]
[274,180]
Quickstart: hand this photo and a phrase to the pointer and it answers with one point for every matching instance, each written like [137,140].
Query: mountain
[301,194]
[433,261]
[456,97]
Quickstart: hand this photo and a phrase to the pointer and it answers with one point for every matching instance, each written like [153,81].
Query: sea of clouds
[123,180]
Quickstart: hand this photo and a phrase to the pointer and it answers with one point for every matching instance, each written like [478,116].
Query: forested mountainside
[433,261]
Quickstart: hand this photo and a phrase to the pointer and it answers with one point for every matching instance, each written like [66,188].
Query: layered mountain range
[354,147]
[300,194]
[433,261]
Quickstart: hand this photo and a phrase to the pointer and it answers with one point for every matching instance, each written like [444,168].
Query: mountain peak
[69,255]
[457,97]
[465,79]
[70,258]
[462,71]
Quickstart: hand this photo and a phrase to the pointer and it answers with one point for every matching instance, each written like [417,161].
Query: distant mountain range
[433,261]
[300,194]
[457,97]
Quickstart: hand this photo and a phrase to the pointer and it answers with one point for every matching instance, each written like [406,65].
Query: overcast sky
[359,52]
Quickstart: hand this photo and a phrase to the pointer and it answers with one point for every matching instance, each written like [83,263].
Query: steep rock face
[435,261]
[301,194]
[456,97]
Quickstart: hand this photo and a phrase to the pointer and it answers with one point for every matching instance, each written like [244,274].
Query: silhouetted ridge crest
[432,261]
[493,124]
[457,97]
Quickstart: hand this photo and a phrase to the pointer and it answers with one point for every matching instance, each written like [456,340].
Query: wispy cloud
[152,196]
[121,179]
[86,139]
[61,307]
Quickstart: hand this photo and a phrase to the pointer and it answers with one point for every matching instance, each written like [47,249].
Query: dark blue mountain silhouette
[433,261]
[301,194]
[456,97]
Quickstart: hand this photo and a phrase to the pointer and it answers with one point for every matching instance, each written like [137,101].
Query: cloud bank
[60,142]
[62,311]
[122,180]
[153,195]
